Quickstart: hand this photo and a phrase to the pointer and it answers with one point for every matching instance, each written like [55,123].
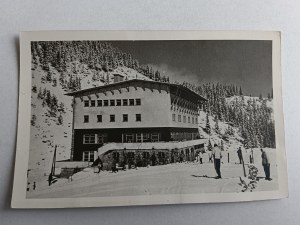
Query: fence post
[228,157]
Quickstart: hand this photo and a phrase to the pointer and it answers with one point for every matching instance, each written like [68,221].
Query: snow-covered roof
[132,81]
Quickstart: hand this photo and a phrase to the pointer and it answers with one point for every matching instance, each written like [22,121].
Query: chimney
[118,78]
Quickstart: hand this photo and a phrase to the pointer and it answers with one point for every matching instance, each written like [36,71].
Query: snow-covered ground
[185,178]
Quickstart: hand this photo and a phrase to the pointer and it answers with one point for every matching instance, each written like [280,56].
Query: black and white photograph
[149,118]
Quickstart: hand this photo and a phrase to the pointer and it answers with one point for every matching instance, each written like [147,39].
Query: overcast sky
[243,63]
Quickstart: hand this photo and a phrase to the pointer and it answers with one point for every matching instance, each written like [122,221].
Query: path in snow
[185,178]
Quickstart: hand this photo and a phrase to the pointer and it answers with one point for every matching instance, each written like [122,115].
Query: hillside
[54,127]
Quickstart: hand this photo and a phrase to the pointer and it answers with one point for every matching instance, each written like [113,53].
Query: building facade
[132,111]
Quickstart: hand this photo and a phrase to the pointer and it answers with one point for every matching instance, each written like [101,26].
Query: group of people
[217,155]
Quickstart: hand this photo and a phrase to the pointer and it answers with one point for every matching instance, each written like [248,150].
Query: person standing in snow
[200,156]
[181,157]
[265,164]
[114,165]
[99,165]
[240,155]
[153,159]
[217,154]
[210,156]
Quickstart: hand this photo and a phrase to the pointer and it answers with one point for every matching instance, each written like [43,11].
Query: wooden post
[244,167]
[52,173]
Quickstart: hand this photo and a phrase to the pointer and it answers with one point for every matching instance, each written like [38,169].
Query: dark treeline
[251,117]
[97,55]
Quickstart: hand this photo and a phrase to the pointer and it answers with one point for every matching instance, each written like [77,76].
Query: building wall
[184,108]
[154,108]
[113,135]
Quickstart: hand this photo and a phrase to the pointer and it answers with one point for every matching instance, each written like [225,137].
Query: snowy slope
[46,133]
[233,141]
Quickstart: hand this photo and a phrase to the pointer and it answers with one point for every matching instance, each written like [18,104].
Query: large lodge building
[133,111]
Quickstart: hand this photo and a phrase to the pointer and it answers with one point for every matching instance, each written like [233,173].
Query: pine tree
[217,129]
[40,94]
[207,127]
[33,120]
[61,107]
[240,92]
[48,76]
[209,147]
[54,82]
[34,89]
[269,97]
[60,120]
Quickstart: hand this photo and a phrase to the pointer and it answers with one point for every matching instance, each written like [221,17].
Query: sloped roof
[116,85]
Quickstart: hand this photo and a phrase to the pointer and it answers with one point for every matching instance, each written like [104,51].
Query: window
[138,117]
[93,103]
[139,137]
[179,118]
[112,102]
[86,103]
[99,118]
[88,156]
[138,101]
[125,117]
[116,156]
[184,119]
[173,117]
[99,103]
[89,139]
[102,138]
[146,137]
[196,120]
[161,155]
[118,102]
[130,155]
[142,137]
[146,155]
[129,138]
[193,120]
[189,119]
[112,118]
[131,102]
[155,137]
[125,102]
[85,118]
[91,159]
[105,103]
[85,156]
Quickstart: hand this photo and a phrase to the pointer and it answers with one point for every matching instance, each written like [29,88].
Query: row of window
[185,119]
[141,137]
[94,138]
[88,156]
[126,137]
[179,136]
[112,102]
[112,118]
